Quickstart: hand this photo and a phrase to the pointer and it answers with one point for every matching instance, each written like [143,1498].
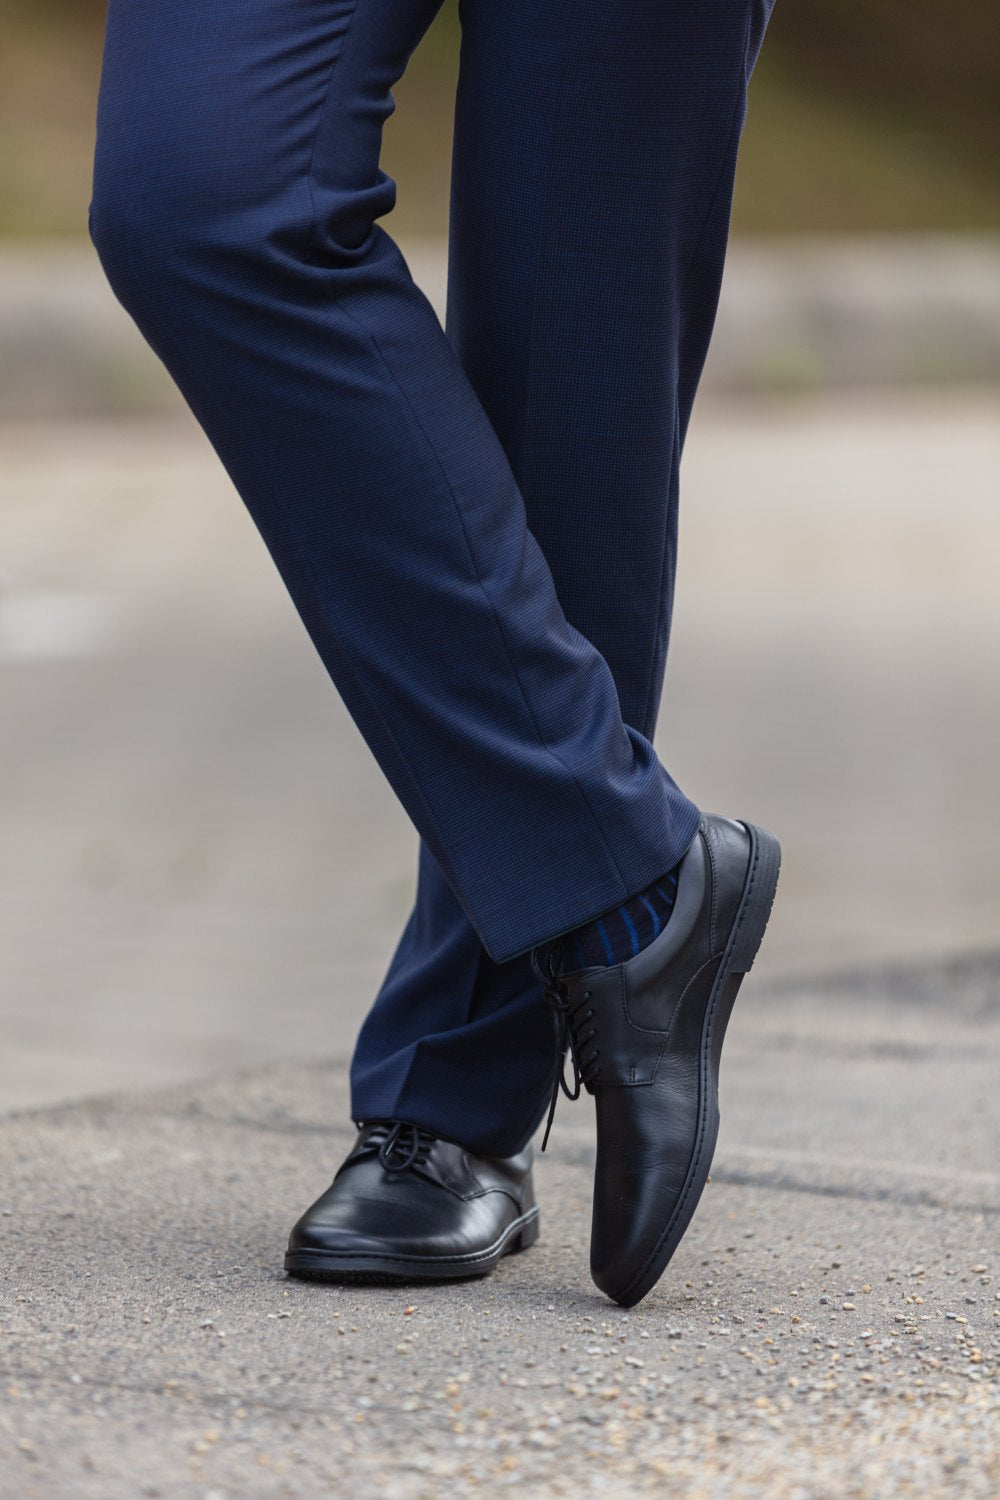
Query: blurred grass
[882,117]
[811,162]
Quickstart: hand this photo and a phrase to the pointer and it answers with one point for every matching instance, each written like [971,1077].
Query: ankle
[621,932]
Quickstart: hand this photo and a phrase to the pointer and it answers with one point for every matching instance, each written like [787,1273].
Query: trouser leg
[236,194]
[589,220]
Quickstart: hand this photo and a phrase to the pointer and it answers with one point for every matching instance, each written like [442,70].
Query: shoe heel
[528,1235]
[762,882]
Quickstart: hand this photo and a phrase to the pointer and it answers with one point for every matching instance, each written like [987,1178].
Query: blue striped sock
[624,931]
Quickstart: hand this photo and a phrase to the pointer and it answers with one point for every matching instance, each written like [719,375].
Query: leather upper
[639,1025]
[443,1202]
[639,1004]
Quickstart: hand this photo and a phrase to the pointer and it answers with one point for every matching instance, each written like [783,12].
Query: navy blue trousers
[477,525]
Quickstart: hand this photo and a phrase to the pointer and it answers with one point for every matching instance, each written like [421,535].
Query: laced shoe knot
[575,1031]
[400,1145]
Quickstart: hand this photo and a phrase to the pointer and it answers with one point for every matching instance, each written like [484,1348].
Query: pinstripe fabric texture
[476,525]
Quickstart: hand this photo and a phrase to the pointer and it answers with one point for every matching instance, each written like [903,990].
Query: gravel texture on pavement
[830,1325]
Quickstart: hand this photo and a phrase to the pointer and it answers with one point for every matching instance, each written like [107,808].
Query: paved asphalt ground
[830,1325]
[201,879]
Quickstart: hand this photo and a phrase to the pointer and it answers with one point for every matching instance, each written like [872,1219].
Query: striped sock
[625,930]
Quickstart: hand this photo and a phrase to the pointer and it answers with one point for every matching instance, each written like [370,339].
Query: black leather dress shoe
[408,1206]
[645,1038]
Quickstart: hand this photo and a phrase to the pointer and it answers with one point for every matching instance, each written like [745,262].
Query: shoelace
[401,1145]
[570,1019]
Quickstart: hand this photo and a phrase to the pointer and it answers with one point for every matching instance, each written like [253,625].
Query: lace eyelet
[570,1039]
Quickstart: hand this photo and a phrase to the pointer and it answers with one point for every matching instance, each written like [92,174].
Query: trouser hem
[657,861]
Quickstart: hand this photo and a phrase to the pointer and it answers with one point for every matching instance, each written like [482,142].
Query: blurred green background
[882,116]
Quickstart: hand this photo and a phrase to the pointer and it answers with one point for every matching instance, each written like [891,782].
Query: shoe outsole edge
[366,1269]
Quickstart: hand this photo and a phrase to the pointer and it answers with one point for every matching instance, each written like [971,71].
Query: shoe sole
[745,938]
[379,1270]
